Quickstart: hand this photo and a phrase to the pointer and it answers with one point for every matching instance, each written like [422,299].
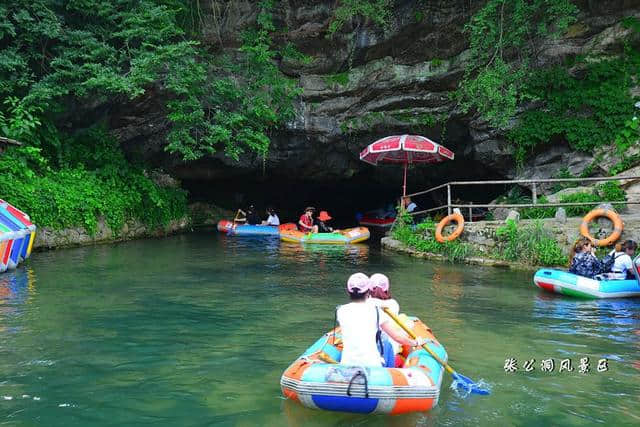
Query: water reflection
[15,287]
[447,282]
[356,254]
[615,318]
[239,244]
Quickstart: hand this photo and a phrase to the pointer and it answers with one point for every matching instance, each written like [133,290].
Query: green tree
[504,37]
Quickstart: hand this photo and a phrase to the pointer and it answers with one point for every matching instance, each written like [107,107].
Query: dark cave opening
[370,188]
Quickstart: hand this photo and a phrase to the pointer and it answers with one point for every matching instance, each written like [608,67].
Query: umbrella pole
[404,183]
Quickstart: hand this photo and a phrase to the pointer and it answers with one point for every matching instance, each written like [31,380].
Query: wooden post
[534,193]
[470,213]
[448,199]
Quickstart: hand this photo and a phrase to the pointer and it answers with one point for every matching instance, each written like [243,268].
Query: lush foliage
[423,239]
[61,58]
[418,121]
[530,244]
[378,11]
[586,102]
[606,192]
[586,112]
[57,54]
[93,179]
[237,103]
[504,38]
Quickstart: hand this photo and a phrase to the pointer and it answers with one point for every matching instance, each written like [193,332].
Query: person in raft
[272,218]
[320,222]
[305,224]
[380,296]
[361,322]
[252,217]
[409,205]
[623,264]
[583,259]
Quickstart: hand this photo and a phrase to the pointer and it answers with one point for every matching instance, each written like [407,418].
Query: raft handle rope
[360,373]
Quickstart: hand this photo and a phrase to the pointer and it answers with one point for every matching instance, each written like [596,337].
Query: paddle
[461,381]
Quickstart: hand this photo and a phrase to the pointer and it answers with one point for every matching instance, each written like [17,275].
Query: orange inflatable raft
[342,237]
[316,381]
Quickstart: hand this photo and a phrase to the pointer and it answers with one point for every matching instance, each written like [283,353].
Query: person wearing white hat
[361,322]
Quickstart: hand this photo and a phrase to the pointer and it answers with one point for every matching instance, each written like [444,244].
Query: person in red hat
[305,224]
[320,222]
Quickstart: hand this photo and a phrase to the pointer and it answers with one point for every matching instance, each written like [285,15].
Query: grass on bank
[607,192]
[529,244]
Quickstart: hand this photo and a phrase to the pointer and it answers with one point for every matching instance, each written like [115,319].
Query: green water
[195,330]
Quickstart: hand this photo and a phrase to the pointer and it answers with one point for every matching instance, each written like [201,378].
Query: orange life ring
[443,223]
[618,226]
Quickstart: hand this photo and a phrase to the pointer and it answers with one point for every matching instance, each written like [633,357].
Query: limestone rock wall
[48,238]
[393,80]
[200,214]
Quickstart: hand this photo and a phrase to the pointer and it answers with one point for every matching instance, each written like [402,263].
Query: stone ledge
[48,238]
[397,246]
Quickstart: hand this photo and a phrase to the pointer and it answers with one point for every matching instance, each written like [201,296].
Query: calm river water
[195,330]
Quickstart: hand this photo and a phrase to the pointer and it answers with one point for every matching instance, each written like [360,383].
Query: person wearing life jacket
[623,264]
[305,223]
[361,323]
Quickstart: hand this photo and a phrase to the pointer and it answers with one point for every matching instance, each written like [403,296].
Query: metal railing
[524,182]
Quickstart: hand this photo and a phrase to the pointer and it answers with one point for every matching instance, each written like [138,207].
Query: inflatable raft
[228,227]
[565,283]
[22,220]
[343,237]
[7,238]
[371,221]
[315,381]
[17,235]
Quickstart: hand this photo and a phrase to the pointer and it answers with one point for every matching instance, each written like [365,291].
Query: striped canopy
[405,149]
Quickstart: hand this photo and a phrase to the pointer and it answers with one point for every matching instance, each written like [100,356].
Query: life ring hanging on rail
[618,226]
[458,218]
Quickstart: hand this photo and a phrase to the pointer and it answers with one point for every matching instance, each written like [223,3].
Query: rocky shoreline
[200,214]
[389,243]
[481,236]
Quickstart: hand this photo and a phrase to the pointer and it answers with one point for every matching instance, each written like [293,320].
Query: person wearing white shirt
[360,322]
[623,264]
[272,219]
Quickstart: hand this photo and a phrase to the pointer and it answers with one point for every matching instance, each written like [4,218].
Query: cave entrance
[343,199]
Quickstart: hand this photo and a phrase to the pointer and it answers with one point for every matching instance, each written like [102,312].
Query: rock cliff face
[366,83]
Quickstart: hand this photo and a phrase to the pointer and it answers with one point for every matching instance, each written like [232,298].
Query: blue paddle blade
[468,385]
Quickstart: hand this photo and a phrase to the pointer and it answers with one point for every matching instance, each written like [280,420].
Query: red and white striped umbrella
[406,150]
